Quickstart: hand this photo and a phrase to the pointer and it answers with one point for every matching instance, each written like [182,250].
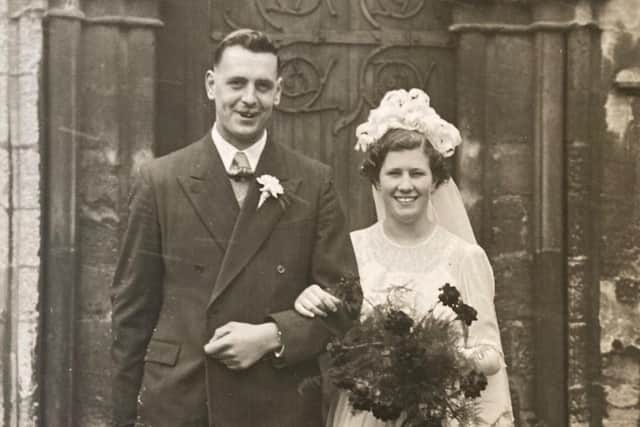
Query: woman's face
[406,184]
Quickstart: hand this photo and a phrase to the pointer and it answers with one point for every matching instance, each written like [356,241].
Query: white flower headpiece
[410,110]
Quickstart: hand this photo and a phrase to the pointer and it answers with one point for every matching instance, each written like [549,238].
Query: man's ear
[278,91]
[209,84]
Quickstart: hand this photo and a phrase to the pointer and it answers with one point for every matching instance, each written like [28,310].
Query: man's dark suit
[188,267]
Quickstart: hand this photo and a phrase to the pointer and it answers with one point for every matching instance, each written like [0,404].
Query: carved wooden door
[339,57]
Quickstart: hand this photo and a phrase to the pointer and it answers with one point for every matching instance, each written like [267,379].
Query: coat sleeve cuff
[302,338]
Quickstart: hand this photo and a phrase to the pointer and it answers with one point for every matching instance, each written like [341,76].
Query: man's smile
[248,114]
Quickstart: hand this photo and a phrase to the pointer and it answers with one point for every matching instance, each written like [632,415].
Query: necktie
[240,168]
[240,173]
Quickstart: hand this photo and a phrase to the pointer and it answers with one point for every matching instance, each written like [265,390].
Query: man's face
[245,87]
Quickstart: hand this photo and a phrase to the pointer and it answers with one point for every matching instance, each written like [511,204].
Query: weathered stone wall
[495,112]
[20,208]
[526,76]
[550,172]
[116,130]
[620,213]
[99,117]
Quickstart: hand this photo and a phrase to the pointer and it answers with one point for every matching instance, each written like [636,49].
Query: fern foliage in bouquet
[406,367]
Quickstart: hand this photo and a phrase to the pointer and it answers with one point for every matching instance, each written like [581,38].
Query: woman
[422,240]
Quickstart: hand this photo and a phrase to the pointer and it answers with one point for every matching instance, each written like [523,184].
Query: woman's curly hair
[399,140]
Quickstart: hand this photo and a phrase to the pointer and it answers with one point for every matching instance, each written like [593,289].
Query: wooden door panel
[183,56]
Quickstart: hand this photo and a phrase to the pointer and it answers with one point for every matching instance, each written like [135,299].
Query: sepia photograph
[319,213]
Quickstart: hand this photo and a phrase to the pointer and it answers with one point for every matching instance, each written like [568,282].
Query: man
[204,332]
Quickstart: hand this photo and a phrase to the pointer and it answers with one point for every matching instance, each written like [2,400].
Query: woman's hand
[484,358]
[315,301]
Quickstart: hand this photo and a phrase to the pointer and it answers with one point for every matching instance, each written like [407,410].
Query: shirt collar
[227,151]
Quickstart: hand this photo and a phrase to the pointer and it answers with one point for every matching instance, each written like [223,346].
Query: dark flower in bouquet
[473,384]
[398,365]
[450,297]
[467,314]
[348,290]
[398,322]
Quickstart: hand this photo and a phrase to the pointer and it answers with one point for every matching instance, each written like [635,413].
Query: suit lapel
[254,225]
[207,187]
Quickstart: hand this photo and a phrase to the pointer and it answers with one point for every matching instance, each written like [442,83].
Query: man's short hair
[253,40]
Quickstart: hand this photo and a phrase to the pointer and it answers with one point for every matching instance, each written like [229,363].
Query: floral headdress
[410,110]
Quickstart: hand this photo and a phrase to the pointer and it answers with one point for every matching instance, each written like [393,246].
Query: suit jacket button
[280,269]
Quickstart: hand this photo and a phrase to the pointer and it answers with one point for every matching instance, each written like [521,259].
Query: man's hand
[239,345]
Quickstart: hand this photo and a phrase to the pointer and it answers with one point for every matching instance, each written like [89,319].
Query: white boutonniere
[271,187]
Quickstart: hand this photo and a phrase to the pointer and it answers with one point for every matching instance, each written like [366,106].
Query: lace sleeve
[478,288]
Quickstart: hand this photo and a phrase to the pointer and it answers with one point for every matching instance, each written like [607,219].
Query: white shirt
[227,151]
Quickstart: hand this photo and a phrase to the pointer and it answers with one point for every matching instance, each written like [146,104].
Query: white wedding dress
[423,268]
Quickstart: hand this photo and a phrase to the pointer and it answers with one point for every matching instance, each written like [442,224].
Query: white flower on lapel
[271,187]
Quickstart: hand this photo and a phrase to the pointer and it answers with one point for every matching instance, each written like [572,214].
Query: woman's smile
[405,200]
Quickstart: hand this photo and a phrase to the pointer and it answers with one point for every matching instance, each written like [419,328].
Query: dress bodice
[420,269]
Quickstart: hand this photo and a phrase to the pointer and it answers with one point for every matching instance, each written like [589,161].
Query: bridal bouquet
[401,367]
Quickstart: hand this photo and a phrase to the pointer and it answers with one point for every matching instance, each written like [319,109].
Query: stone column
[549,218]
[100,84]
[583,152]
[63,38]
[21,46]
